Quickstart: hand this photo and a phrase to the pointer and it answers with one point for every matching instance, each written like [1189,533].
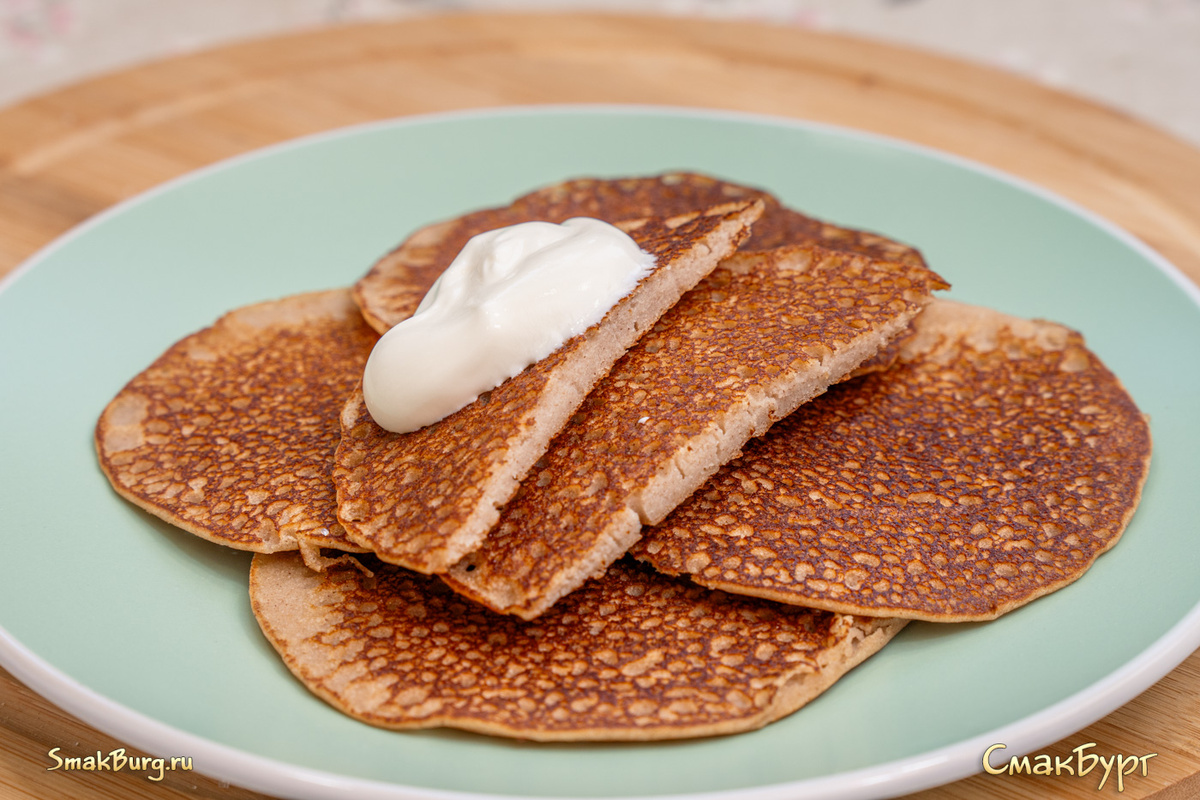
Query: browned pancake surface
[231,433]
[424,499]
[393,288]
[636,656]
[990,466]
[760,335]
[679,192]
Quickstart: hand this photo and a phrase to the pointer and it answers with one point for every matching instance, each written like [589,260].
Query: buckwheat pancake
[991,465]
[426,498]
[763,333]
[394,286]
[635,656]
[231,433]
[678,192]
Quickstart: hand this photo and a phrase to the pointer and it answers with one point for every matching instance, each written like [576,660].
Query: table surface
[67,155]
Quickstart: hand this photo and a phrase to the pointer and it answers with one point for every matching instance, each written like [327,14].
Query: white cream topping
[511,297]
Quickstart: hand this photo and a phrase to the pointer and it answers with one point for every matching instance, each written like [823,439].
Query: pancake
[678,192]
[991,465]
[426,498]
[762,334]
[231,433]
[636,656]
[393,288]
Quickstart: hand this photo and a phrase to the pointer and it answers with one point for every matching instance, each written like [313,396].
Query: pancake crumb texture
[679,192]
[760,335]
[394,286]
[424,499]
[990,466]
[635,656]
[231,433]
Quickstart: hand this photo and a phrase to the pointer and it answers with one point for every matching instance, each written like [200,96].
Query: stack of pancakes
[797,447]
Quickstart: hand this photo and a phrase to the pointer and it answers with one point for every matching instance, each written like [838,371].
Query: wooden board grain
[68,155]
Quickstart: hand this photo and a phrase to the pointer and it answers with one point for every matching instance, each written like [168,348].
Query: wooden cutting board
[70,154]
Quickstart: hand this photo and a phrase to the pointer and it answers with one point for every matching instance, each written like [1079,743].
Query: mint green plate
[146,632]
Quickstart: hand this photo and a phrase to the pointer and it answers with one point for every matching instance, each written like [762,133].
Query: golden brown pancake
[678,192]
[635,656]
[426,498]
[393,288]
[990,466]
[762,334]
[231,433]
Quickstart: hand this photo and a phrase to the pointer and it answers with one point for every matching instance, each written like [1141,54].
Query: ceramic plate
[146,631]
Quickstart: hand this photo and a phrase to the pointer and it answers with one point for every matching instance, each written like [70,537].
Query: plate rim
[901,776]
[936,767]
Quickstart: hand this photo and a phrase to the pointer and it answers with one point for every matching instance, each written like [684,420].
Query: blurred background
[1139,56]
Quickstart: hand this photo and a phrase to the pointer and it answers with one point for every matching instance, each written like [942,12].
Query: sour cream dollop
[512,297]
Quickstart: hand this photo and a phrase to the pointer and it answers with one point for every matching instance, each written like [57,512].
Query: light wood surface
[67,155]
